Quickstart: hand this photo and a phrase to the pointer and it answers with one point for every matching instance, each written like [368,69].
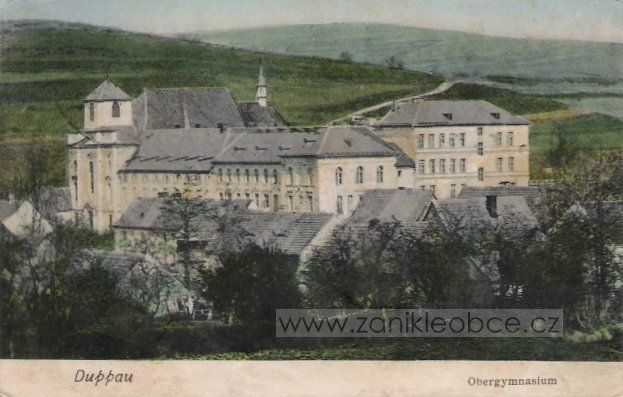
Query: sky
[588,20]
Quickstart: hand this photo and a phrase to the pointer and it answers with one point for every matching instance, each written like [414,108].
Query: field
[446,52]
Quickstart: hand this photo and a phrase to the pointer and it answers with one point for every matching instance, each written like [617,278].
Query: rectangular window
[423,187]
[432,187]
[481,174]
[498,164]
[451,143]
[310,203]
[480,149]
[291,202]
[431,166]
[498,139]
[420,141]
[462,139]
[509,139]
[442,140]
[462,166]
[420,167]
[479,131]
[442,166]
[453,190]
[453,166]
[511,164]
[237,174]
[266,201]
[257,200]
[431,141]
[92,175]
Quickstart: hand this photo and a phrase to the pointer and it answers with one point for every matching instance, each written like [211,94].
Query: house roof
[289,232]
[202,107]
[262,116]
[108,91]
[425,113]
[512,211]
[532,194]
[198,149]
[407,206]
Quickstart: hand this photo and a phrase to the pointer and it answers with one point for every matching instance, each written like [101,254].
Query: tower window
[290,176]
[379,174]
[340,208]
[91,111]
[92,175]
[115,109]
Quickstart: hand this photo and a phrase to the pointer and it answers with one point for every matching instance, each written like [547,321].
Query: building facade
[455,144]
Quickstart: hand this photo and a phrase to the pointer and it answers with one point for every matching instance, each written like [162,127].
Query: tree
[249,285]
[394,62]
[346,56]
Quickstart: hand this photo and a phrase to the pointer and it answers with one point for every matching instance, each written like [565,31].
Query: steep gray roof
[262,116]
[289,232]
[198,149]
[512,211]
[407,206]
[532,194]
[402,159]
[163,108]
[423,113]
[108,91]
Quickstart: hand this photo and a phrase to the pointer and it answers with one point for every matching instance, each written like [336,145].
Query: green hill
[435,50]
[47,68]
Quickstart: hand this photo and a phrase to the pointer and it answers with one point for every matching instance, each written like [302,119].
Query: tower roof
[108,91]
[262,79]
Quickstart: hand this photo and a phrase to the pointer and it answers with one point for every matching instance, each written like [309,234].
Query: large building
[459,143]
[169,140]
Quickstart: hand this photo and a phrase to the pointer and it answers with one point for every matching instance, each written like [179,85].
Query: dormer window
[92,111]
[116,112]
[496,116]
[448,116]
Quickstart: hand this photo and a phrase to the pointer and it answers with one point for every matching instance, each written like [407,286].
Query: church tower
[261,97]
[107,107]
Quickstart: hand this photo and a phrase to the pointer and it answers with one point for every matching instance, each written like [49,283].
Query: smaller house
[21,220]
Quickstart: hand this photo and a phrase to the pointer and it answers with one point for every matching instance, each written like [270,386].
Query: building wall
[102,115]
[446,182]
[329,192]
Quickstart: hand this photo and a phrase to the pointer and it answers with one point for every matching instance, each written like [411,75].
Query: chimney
[492,206]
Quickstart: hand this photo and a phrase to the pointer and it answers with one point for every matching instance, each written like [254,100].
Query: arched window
[91,111]
[290,176]
[115,109]
[359,175]
[338,176]
[265,176]
[275,177]
[379,174]
[340,205]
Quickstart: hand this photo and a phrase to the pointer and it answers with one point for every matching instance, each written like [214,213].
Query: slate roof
[407,206]
[402,159]
[198,149]
[289,232]
[107,91]
[424,113]
[512,211]
[532,194]
[201,107]
[261,116]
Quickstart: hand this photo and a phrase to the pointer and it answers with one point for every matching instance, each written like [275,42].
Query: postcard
[311,198]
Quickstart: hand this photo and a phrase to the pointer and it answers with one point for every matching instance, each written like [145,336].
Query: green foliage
[251,284]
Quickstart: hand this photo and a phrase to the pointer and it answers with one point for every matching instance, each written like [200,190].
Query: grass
[48,68]
[512,101]
[547,349]
[450,53]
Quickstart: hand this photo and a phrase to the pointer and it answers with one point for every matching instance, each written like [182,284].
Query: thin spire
[261,97]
